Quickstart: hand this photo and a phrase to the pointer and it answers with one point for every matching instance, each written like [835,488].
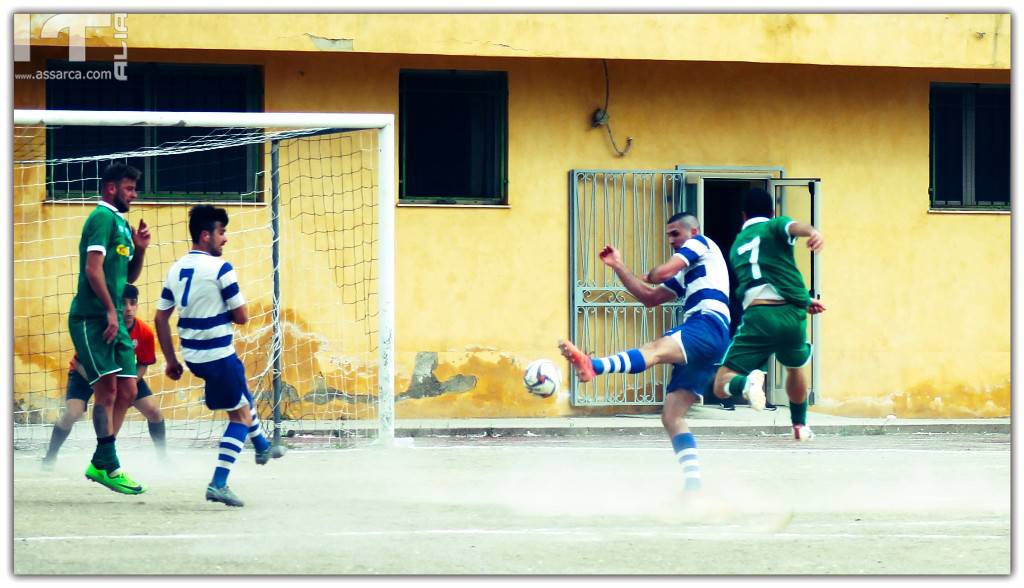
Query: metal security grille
[626,209]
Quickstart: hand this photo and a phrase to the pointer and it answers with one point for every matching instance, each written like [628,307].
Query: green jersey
[106,231]
[762,255]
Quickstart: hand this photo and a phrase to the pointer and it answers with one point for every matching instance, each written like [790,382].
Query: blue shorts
[704,339]
[226,387]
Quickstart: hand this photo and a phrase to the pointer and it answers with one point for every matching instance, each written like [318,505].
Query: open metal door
[799,199]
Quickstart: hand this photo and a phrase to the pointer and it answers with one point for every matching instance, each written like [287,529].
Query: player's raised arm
[673,266]
[140,238]
[646,294]
[815,241]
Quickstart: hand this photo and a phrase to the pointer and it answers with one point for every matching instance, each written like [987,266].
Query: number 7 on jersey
[186,274]
[752,247]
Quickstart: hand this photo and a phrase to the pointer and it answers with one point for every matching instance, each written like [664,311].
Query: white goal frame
[385,125]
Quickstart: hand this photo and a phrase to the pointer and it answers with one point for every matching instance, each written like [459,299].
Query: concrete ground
[504,499]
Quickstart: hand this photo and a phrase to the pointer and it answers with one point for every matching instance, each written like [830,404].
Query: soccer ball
[542,378]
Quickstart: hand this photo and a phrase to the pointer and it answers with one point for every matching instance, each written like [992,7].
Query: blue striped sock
[631,361]
[259,440]
[231,445]
[685,447]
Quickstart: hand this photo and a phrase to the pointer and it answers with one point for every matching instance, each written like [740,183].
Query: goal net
[308,236]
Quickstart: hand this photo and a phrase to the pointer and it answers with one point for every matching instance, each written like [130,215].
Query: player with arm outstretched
[696,273]
[111,255]
[776,304]
[79,392]
[205,290]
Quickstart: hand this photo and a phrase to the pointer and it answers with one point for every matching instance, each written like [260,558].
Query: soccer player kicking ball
[204,287]
[79,392]
[110,255]
[697,273]
[776,304]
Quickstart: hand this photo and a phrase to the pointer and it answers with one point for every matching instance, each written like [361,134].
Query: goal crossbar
[385,125]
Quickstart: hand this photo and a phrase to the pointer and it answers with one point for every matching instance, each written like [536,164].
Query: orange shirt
[144,341]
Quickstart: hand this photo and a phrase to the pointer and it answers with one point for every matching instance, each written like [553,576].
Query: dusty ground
[886,504]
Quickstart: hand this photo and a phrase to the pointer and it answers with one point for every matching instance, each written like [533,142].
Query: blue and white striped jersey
[205,290]
[704,283]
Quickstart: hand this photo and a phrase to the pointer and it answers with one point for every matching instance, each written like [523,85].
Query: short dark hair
[758,202]
[116,172]
[130,292]
[690,219]
[204,217]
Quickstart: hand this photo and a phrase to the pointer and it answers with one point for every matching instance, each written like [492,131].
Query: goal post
[328,165]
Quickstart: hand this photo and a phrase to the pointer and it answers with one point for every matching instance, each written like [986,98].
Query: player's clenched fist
[815,242]
[610,256]
[173,370]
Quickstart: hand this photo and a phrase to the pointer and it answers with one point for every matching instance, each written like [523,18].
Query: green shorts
[767,329]
[98,357]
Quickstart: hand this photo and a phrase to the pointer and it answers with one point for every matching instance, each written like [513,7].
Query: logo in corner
[122,250]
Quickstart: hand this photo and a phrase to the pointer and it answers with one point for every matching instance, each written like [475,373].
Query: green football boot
[120,483]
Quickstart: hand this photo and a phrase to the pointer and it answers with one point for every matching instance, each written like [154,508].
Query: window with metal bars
[970,147]
[216,174]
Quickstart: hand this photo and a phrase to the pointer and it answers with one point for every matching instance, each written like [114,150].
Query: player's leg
[796,390]
[264,450]
[632,361]
[123,396]
[702,341]
[105,466]
[146,404]
[101,363]
[226,390]
[740,374]
[231,445]
[677,403]
[127,389]
[126,392]
[794,353]
[77,398]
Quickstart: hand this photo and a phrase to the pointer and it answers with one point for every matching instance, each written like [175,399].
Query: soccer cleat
[754,390]
[48,465]
[223,495]
[802,433]
[580,361]
[274,451]
[120,483]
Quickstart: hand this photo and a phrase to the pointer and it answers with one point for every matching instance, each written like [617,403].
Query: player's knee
[721,381]
[69,418]
[151,412]
[668,418]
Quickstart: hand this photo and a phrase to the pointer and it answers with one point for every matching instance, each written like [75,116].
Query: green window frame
[227,174]
[453,135]
[969,153]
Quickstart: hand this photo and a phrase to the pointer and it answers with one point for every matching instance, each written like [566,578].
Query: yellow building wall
[487,289]
[975,41]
